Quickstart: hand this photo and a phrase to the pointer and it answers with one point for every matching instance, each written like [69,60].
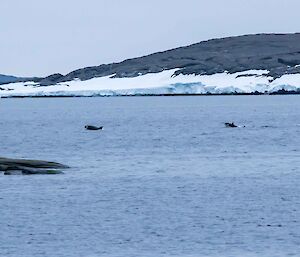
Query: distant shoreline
[153,95]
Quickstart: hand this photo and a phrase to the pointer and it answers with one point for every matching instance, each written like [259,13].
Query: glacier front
[163,83]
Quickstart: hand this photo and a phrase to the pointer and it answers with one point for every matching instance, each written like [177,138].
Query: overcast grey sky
[40,37]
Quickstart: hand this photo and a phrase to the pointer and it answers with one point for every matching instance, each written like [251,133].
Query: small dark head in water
[230,125]
[89,127]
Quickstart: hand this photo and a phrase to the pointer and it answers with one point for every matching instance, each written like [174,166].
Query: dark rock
[50,80]
[29,167]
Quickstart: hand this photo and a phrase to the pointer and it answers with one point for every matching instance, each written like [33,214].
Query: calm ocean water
[164,177]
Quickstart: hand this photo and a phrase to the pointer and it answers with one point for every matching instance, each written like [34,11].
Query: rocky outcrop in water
[29,167]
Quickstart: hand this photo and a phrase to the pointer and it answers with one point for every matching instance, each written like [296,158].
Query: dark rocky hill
[4,79]
[278,53]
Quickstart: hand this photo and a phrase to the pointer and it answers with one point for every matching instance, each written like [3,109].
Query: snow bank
[161,83]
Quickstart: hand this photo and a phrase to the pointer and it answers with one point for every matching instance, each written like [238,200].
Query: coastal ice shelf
[163,83]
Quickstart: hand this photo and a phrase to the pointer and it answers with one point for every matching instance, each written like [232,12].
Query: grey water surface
[164,177]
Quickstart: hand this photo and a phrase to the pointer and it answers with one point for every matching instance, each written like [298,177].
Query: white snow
[161,83]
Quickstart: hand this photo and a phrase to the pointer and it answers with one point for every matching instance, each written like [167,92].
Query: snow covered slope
[163,83]
[249,64]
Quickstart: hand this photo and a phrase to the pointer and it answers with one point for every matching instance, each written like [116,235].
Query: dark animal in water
[230,125]
[89,127]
